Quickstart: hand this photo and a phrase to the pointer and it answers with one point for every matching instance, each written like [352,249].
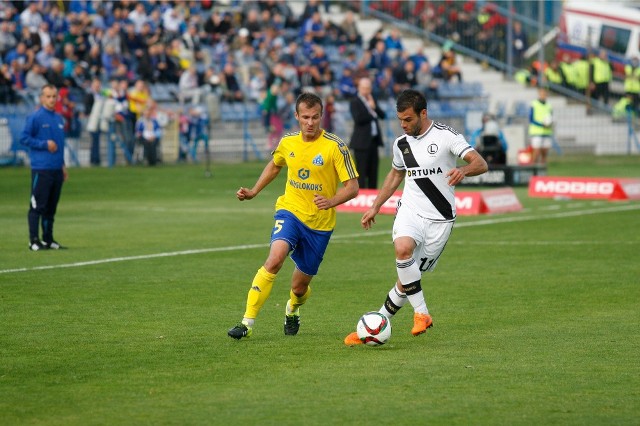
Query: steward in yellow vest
[522,76]
[540,127]
[632,82]
[600,73]
[622,108]
[567,71]
[553,73]
[540,118]
[568,75]
[581,74]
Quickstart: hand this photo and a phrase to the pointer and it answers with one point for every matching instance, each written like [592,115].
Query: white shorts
[430,237]
[538,142]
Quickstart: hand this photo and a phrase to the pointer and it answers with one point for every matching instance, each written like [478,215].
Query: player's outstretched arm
[475,166]
[269,173]
[389,186]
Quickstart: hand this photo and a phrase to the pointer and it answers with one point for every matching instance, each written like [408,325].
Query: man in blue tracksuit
[44,135]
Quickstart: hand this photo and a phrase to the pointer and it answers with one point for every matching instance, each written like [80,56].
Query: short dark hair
[48,86]
[310,100]
[410,98]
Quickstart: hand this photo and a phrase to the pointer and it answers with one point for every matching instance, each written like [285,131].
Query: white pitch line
[558,215]
[488,221]
[139,257]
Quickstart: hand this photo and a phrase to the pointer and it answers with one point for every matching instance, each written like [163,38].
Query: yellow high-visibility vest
[542,112]
[553,76]
[581,73]
[522,76]
[569,73]
[601,71]
[623,107]
[631,79]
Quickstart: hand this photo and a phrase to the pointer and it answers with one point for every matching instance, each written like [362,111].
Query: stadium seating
[238,111]
[164,92]
[519,112]
[462,90]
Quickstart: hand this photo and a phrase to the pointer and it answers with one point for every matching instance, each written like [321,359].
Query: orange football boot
[420,323]
[352,339]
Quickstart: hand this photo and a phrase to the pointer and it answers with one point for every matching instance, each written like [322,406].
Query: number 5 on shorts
[278,226]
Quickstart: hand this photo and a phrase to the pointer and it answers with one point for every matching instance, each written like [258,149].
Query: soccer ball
[374,329]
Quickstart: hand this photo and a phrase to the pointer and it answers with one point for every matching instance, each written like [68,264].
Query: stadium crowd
[243,51]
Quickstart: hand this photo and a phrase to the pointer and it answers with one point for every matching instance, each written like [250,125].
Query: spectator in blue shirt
[18,53]
[419,57]
[346,85]
[379,57]
[58,24]
[148,133]
[393,43]
[315,27]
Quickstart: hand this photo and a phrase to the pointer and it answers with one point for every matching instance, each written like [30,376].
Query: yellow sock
[295,302]
[259,292]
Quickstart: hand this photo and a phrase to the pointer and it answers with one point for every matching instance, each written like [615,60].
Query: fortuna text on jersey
[423,172]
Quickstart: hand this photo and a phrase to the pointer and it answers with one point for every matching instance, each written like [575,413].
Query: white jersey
[426,159]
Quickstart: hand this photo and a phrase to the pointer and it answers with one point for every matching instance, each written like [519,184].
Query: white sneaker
[53,245]
[36,245]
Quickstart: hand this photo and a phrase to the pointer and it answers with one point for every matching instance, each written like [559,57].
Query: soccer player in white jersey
[426,156]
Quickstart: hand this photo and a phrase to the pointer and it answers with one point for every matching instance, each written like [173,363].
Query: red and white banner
[502,200]
[467,203]
[364,200]
[629,190]
[585,188]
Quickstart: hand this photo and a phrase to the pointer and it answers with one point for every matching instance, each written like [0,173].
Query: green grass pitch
[536,313]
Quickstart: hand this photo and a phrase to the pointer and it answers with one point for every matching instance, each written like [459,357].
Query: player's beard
[416,130]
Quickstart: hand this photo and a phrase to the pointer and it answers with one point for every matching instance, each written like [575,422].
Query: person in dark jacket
[148,133]
[367,134]
[43,134]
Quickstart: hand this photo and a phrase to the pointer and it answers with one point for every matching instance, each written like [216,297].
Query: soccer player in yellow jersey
[316,161]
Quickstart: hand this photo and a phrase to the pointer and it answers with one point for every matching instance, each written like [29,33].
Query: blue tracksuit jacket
[40,126]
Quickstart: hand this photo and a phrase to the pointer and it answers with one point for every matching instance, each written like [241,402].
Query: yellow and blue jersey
[316,167]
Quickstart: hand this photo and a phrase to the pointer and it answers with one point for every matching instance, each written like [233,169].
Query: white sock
[409,275]
[418,303]
[290,311]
